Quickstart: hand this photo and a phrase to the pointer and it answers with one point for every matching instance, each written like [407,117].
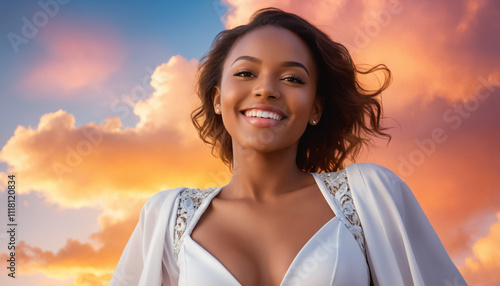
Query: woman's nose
[266,87]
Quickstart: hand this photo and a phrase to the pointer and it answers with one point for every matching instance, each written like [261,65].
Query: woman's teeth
[262,114]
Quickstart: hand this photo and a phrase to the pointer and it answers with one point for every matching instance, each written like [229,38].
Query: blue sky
[152,32]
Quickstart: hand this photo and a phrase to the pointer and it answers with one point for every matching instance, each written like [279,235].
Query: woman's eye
[294,79]
[291,78]
[243,74]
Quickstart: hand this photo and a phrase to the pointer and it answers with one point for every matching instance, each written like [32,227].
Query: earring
[217,110]
[314,122]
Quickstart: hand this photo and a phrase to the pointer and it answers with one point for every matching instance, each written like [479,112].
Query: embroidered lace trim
[338,185]
[189,201]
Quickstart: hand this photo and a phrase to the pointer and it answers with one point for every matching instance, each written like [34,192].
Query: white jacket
[402,248]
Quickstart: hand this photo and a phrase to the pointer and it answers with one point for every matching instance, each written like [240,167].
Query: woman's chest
[257,244]
[283,243]
[330,257]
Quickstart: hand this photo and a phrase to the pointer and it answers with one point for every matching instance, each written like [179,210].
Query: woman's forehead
[271,43]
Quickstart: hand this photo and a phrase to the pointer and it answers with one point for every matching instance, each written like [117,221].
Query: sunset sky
[95,102]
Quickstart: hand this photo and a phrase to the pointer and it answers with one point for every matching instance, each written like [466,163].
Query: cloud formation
[161,152]
[76,58]
[106,166]
[88,264]
[173,99]
[482,267]
[429,52]
[446,152]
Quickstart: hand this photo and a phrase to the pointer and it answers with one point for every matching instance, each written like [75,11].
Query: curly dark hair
[351,113]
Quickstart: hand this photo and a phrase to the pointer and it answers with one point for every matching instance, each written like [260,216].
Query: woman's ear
[317,110]
[216,99]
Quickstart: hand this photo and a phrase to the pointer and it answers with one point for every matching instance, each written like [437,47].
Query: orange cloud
[472,8]
[113,168]
[171,103]
[161,152]
[239,11]
[451,165]
[482,268]
[76,58]
[89,265]
[429,59]
[90,279]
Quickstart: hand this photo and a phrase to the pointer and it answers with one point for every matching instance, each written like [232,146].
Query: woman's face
[267,94]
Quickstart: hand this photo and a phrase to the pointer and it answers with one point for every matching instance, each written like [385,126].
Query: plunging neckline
[290,267]
[201,210]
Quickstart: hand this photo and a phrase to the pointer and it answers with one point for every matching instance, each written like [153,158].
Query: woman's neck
[263,176]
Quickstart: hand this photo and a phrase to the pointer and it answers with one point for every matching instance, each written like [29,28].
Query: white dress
[379,234]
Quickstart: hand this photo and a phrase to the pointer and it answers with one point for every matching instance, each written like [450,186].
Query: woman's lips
[264,108]
[262,114]
[257,118]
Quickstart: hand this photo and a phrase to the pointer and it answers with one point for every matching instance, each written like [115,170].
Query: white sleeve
[147,252]
[402,247]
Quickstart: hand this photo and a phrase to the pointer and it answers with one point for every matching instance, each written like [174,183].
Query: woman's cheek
[233,91]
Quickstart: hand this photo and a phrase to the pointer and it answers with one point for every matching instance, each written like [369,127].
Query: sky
[95,99]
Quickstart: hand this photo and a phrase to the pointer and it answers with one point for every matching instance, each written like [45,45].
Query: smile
[262,114]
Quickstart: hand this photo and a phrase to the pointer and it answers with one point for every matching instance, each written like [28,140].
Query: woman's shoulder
[372,171]
[159,199]
[363,176]
[370,177]
[394,222]
[171,198]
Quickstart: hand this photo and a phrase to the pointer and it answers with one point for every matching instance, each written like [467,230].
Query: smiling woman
[270,83]
[283,108]
[350,113]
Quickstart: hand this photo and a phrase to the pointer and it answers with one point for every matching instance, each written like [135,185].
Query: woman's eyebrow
[248,58]
[294,64]
[283,64]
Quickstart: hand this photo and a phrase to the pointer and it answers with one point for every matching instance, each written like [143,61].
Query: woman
[282,106]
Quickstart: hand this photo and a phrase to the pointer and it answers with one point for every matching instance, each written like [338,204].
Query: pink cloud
[421,42]
[76,58]
[450,165]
